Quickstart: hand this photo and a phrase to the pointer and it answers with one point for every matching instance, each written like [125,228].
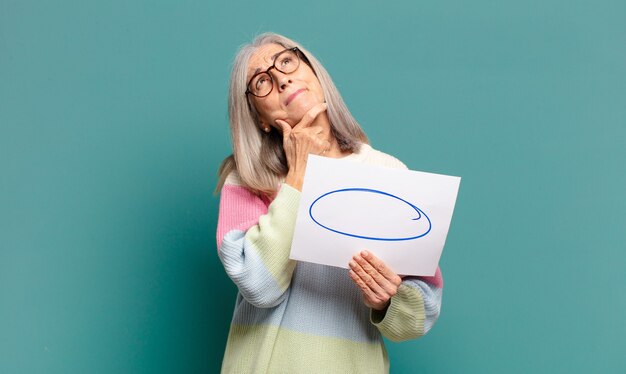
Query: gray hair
[258,157]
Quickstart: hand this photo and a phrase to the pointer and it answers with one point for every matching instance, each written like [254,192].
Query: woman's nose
[282,80]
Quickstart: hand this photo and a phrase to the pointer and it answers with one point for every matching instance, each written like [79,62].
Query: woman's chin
[297,110]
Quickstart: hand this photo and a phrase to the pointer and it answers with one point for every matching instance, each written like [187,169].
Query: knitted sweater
[300,317]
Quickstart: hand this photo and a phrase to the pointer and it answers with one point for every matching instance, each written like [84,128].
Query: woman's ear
[265,127]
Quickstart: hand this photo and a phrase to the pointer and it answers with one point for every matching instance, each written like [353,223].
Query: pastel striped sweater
[299,317]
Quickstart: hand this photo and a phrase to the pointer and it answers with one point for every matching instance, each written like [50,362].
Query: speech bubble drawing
[368,208]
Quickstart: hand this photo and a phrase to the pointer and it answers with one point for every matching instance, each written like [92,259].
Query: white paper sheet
[401,216]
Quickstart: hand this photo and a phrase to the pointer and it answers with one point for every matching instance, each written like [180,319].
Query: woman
[299,317]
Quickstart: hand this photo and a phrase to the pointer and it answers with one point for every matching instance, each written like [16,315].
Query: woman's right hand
[299,141]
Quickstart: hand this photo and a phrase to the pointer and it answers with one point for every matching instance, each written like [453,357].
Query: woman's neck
[334,151]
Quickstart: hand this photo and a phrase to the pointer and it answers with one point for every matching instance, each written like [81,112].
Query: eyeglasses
[287,61]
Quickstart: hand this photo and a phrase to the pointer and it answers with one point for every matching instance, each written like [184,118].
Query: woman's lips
[293,96]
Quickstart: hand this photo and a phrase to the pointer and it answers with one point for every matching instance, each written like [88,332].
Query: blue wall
[113,122]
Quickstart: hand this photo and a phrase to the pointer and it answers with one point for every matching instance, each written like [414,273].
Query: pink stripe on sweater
[240,209]
[436,280]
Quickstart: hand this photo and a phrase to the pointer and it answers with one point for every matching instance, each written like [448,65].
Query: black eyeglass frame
[299,55]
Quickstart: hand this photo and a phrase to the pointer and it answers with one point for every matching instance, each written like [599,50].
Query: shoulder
[372,156]
[233,179]
[234,186]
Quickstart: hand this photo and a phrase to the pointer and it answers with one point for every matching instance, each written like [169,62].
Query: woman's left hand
[377,282]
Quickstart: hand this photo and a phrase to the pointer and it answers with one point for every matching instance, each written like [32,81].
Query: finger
[284,127]
[382,268]
[388,289]
[310,116]
[370,297]
[369,280]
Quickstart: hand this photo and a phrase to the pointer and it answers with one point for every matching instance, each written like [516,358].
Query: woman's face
[292,94]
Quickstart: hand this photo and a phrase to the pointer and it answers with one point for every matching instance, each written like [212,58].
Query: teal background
[113,122]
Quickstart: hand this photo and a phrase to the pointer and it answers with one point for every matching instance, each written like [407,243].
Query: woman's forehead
[263,57]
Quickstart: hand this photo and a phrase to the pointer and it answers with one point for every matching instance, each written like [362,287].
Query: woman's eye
[260,82]
[285,61]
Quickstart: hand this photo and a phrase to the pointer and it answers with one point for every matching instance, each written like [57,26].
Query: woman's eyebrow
[276,55]
[272,59]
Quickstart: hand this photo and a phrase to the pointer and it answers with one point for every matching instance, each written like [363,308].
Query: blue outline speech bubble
[418,210]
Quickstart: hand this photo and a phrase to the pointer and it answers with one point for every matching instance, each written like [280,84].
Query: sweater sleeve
[254,241]
[413,310]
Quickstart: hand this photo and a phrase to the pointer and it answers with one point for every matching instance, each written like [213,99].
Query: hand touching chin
[299,107]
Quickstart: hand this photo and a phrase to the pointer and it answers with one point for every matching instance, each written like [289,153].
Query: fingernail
[352,264]
[365,253]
